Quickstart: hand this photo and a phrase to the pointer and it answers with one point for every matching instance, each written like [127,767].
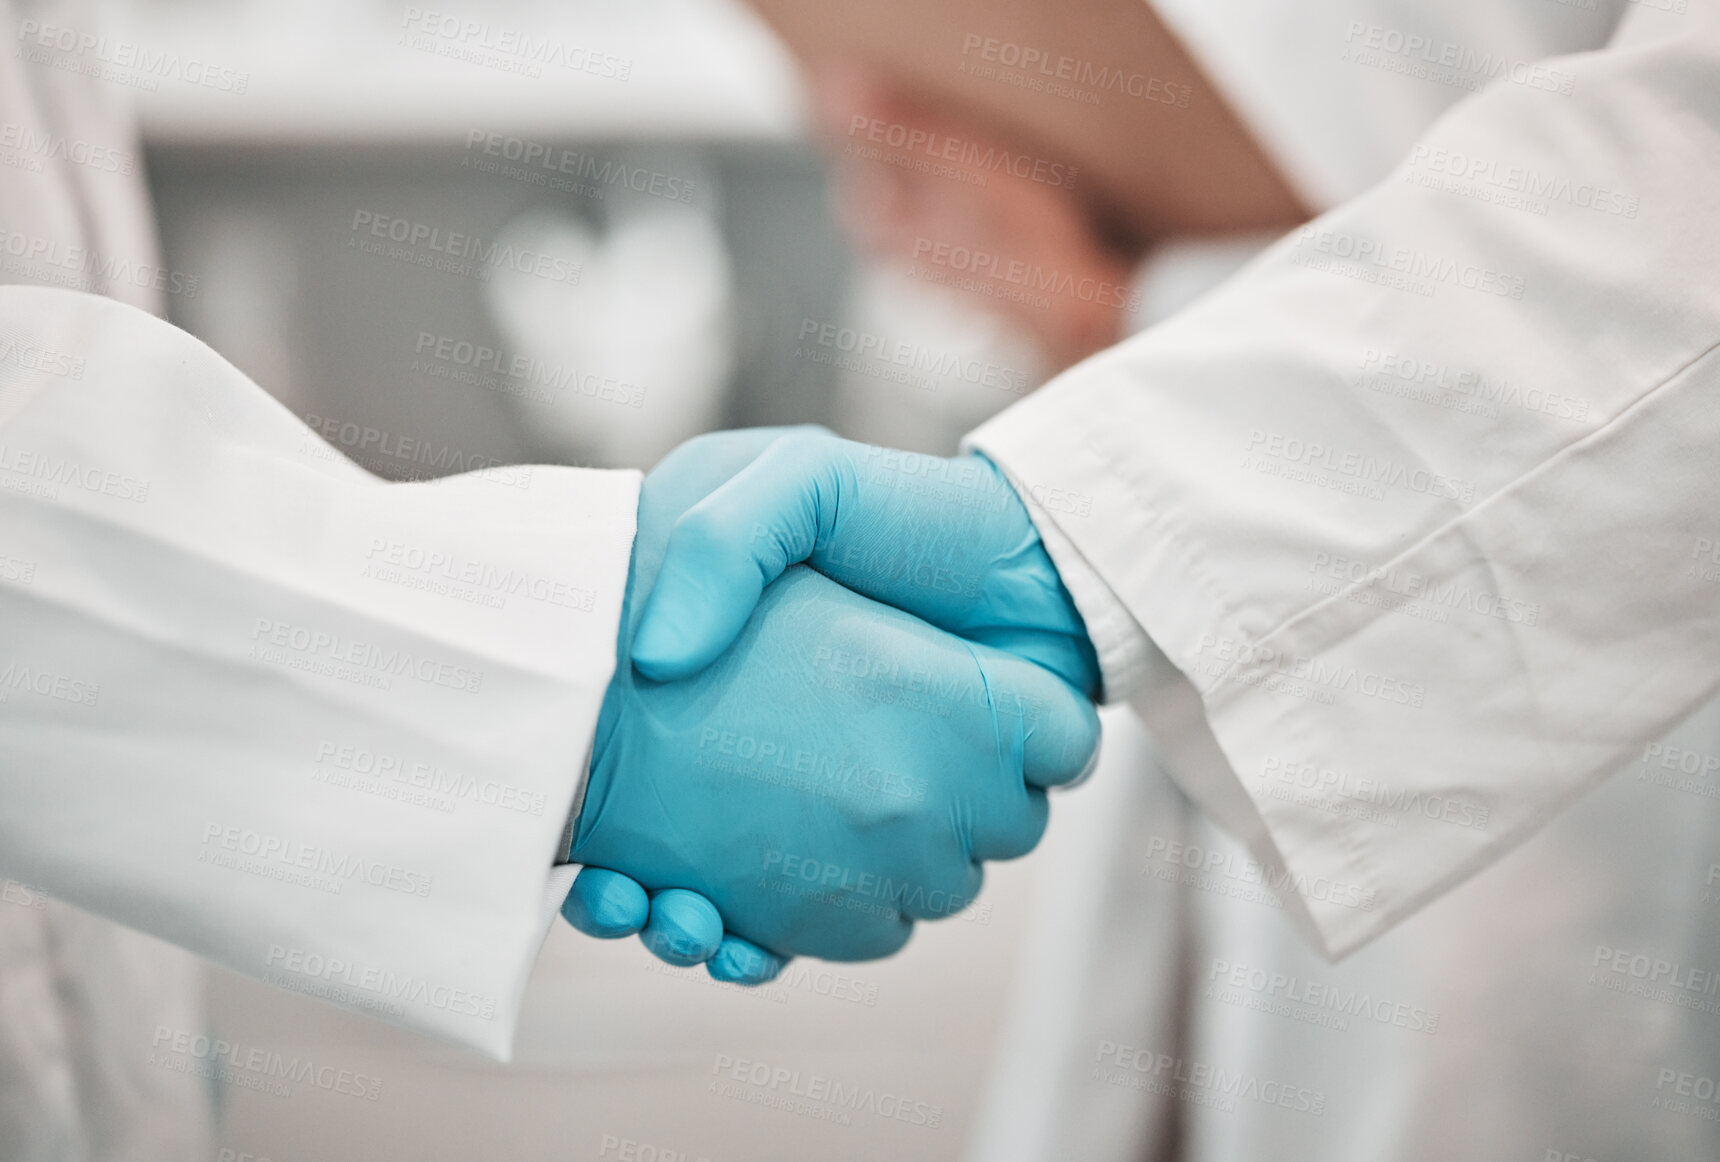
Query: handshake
[844,679]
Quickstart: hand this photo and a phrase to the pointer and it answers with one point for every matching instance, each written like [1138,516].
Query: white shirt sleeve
[1423,504]
[320,728]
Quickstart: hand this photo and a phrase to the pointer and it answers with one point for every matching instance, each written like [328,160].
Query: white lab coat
[81,997]
[1531,618]
[322,729]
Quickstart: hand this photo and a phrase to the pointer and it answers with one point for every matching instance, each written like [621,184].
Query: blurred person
[1046,205]
[244,710]
[1378,692]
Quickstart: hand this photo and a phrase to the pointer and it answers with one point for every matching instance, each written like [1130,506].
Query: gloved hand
[679,927]
[837,773]
[945,539]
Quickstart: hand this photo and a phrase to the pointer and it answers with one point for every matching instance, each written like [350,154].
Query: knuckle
[808,442]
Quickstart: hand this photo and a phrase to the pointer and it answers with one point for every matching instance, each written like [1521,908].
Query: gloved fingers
[684,928]
[606,904]
[724,550]
[1013,826]
[1068,655]
[1056,727]
[744,963]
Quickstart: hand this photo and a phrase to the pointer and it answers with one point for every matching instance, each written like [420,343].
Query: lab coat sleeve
[1423,507]
[320,728]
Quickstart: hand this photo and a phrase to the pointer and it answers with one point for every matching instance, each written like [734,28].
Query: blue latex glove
[837,773]
[679,927]
[947,540]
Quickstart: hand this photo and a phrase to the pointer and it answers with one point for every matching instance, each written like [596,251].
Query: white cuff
[1128,659]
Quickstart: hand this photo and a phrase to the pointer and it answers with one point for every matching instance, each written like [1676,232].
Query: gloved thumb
[724,550]
[705,592]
